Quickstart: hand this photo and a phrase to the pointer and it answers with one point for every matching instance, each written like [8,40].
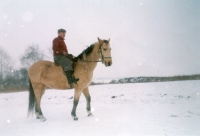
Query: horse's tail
[31,104]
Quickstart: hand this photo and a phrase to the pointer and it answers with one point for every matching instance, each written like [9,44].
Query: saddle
[74,61]
[55,64]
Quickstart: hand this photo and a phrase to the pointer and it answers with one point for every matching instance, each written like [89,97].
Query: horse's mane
[88,51]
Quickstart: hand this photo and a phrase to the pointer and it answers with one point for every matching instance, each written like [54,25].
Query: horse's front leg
[77,95]
[88,99]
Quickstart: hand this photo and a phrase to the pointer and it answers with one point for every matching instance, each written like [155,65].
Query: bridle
[102,56]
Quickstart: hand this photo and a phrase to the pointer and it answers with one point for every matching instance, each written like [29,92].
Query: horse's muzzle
[108,63]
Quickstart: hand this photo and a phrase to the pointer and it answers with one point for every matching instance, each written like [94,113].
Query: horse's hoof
[43,120]
[37,117]
[75,118]
[90,115]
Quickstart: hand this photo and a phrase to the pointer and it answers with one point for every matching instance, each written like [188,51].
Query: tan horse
[45,74]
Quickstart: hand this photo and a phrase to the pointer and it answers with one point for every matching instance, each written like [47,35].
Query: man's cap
[61,30]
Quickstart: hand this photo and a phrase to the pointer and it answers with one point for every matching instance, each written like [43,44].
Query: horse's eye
[104,49]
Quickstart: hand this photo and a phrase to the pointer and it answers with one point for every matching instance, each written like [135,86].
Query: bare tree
[5,65]
[31,55]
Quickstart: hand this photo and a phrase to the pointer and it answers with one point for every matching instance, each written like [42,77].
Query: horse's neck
[94,56]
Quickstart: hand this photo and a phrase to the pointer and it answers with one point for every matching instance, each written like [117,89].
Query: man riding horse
[62,57]
[43,74]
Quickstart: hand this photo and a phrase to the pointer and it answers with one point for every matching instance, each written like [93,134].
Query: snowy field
[157,109]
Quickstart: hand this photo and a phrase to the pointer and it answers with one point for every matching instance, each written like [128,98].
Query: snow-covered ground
[158,109]
[102,80]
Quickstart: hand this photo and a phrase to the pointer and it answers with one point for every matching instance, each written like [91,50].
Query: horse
[43,74]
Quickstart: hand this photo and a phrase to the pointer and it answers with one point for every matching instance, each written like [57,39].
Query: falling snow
[5,16]
[92,109]
[27,17]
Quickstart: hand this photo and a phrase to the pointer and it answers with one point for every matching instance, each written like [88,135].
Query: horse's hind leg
[88,99]
[39,90]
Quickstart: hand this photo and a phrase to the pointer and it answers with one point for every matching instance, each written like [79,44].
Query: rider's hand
[64,53]
[70,56]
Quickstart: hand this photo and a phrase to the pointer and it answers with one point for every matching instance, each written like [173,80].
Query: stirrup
[76,79]
[73,80]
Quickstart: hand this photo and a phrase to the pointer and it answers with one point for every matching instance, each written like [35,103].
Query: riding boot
[71,78]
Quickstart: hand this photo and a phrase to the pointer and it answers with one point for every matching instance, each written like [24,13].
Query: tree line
[12,79]
[149,79]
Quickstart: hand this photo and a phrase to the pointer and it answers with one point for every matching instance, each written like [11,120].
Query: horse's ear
[109,40]
[100,41]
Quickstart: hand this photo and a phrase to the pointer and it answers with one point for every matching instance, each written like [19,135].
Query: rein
[92,61]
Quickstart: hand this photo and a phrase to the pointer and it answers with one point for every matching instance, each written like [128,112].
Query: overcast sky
[148,37]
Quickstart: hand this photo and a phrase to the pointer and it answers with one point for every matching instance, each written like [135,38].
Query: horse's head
[105,52]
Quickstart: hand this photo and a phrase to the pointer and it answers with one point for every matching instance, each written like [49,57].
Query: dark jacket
[59,46]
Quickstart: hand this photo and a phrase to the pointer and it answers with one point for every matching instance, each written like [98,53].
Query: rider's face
[62,34]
